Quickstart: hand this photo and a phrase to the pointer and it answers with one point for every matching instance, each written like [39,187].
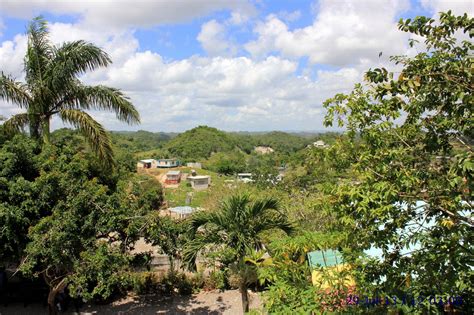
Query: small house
[264,150]
[319,144]
[173,177]
[245,177]
[332,261]
[200,182]
[167,163]
[149,163]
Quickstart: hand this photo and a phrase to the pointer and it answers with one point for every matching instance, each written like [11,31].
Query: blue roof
[324,258]
[182,210]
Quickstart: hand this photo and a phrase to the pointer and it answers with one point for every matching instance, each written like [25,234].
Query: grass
[177,196]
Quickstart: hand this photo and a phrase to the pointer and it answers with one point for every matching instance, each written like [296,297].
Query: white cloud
[12,53]
[456,6]
[257,92]
[119,14]
[229,93]
[343,33]
[213,39]
[232,93]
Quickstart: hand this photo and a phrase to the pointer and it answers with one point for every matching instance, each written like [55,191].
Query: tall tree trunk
[34,126]
[245,295]
[45,129]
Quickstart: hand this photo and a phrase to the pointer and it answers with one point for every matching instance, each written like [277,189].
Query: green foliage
[281,141]
[52,88]
[152,283]
[103,269]
[226,163]
[200,143]
[65,219]
[238,226]
[288,276]
[140,140]
[168,234]
[412,175]
[215,280]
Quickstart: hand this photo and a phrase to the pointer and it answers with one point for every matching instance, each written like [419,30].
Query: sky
[231,64]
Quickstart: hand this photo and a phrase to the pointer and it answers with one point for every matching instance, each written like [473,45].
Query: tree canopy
[52,88]
[410,195]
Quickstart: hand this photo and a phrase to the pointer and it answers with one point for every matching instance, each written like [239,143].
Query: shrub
[216,280]
[144,282]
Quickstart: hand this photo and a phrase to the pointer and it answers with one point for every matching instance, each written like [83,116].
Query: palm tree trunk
[46,132]
[34,126]
[245,295]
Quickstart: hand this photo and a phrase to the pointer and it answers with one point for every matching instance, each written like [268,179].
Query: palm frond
[102,98]
[262,205]
[14,91]
[273,221]
[236,208]
[75,58]
[39,51]
[192,249]
[94,133]
[16,123]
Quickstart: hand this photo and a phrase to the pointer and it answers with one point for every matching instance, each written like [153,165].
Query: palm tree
[238,225]
[52,88]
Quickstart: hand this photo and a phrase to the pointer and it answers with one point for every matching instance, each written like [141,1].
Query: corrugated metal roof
[147,161]
[324,258]
[198,177]
[182,210]
[173,173]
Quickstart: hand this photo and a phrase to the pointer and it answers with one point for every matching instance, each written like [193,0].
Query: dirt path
[213,302]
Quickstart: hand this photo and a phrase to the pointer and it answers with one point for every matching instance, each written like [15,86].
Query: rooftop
[198,177]
[182,210]
[147,161]
[173,173]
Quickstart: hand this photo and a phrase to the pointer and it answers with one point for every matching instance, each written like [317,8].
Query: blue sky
[234,65]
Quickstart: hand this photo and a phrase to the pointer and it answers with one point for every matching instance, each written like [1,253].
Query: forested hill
[140,140]
[201,142]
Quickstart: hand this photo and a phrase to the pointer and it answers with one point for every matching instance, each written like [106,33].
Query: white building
[245,177]
[199,182]
[320,144]
[148,163]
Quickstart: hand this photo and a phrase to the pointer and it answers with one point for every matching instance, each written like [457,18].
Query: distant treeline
[201,142]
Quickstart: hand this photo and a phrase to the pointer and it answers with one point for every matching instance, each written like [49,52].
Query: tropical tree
[412,192]
[52,88]
[238,225]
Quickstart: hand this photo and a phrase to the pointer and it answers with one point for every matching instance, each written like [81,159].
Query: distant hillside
[281,141]
[200,142]
[141,140]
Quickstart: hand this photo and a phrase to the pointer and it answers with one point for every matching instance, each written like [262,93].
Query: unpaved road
[213,302]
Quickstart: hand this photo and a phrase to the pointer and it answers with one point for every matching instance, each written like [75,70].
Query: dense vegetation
[393,194]
[140,140]
[53,88]
[59,208]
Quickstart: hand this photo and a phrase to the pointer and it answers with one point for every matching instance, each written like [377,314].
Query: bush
[216,280]
[198,281]
[234,280]
[144,282]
